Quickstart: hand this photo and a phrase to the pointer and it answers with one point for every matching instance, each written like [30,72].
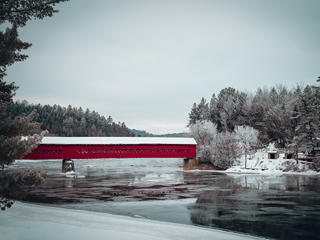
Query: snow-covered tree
[247,137]
[225,151]
[83,124]
[204,132]
[227,110]
[213,146]
[289,118]
[309,119]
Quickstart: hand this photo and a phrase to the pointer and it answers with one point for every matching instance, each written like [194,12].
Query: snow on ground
[259,163]
[28,221]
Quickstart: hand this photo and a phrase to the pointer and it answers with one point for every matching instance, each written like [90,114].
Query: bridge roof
[116,140]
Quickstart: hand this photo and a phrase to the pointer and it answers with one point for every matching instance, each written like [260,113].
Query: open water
[271,206]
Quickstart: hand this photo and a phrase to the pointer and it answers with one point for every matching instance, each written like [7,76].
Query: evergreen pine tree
[12,143]
[199,112]
[308,126]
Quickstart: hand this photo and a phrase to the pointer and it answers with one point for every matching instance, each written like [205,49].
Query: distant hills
[141,133]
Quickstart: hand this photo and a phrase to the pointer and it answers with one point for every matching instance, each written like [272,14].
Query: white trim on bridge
[116,140]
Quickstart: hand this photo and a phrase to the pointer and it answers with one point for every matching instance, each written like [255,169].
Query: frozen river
[272,206]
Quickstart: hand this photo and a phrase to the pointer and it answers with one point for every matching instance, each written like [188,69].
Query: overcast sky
[146,62]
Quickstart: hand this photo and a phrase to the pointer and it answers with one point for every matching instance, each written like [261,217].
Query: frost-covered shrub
[204,132]
[290,167]
[205,153]
[225,150]
[218,148]
[315,163]
[303,168]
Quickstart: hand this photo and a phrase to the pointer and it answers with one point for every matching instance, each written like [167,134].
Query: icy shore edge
[30,221]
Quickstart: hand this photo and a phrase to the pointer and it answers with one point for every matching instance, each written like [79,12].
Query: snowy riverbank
[259,163]
[29,221]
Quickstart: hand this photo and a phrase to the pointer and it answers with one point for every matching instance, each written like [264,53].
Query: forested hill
[70,121]
[287,117]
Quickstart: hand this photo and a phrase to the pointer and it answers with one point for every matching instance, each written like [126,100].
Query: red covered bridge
[113,147]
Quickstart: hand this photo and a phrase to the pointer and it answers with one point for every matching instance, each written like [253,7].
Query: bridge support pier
[196,164]
[67,165]
[190,163]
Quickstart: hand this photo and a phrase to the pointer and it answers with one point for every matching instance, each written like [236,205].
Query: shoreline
[249,171]
[34,221]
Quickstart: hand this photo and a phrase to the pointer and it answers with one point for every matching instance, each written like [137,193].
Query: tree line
[289,118]
[70,121]
[142,133]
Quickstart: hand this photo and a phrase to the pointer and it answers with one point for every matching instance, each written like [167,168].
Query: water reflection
[107,180]
[275,206]
[280,207]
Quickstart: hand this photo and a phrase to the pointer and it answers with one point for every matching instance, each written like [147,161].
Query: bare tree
[248,137]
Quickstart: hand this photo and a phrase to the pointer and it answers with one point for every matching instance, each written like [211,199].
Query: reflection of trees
[302,183]
[280,207]
[12,185]
[210,179]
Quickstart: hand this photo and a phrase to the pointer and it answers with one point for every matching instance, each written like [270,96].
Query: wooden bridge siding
[44,151]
